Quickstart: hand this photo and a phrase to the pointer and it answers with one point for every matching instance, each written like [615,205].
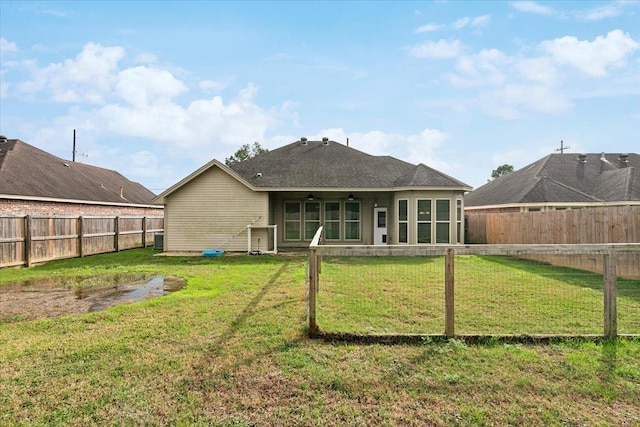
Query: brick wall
[31,207]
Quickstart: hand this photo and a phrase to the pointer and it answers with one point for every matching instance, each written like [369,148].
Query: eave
[76,201]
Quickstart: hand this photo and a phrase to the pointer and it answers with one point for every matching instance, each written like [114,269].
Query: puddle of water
[59,297]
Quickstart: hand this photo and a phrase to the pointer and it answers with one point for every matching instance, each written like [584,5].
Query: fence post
[116,236]
[313,286]
[144,231]
[609,278]
[449,326]
[80,236]
[27,240]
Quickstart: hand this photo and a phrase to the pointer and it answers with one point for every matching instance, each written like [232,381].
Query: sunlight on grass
[494,295]
[231,349]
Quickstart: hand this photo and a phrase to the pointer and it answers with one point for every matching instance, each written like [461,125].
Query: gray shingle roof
[318,164]
[563,178]
[28,171]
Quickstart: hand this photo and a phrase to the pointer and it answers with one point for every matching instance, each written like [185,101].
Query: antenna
[74,152]
[562,147]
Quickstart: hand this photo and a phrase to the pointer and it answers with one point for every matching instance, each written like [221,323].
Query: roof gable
[26,171]
[212,164]
[594,177]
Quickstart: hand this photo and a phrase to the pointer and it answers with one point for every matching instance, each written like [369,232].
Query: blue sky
[157,89]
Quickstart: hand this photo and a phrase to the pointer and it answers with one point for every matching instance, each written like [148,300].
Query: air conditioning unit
[158,241]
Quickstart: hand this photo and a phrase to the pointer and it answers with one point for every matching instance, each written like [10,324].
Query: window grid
[292,220]
[352,220]
[403,221]
[424,221]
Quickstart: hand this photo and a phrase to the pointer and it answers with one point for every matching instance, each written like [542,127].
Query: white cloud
[483,68]
[477,22]
[441,49]
[461,23]
[4,86]
[532,7]
[540,70]
[422,148]
[429,28]
[142,86]
[87,78]
[512,100]
[146,58]
[610,10]
[481,21]
[213,85]
[417,148]
[7,46]
[592,58]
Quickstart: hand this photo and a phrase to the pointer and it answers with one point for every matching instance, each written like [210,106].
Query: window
[292,220]
[424,221]
[332,221]
[352,220]
[403,221]
[443,220]
[459,220]
[311,219]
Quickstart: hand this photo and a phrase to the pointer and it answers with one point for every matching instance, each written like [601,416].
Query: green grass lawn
[230,349]
[494,295]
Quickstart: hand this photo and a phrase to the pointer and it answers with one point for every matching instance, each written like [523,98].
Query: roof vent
[582,158]
[303,140]
[3,139]
[325,141]
[623,158]
[259,174]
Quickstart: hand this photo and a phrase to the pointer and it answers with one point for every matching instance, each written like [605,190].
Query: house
[34,182]
[283,196]
[562,181]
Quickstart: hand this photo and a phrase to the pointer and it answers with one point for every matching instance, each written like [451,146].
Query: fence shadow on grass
[628,288]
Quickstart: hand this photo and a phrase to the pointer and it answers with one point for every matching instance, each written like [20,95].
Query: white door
[380,226]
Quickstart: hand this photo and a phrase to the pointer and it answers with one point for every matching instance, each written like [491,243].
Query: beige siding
[413,197]
[206,212]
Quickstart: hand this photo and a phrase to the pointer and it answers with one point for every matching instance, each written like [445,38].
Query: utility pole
[73,156]
[562,147]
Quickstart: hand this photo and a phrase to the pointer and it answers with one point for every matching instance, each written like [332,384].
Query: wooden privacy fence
[612,256]
[614,224]
[33,239]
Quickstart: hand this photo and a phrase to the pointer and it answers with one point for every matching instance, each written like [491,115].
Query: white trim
[554,204]
[352,189]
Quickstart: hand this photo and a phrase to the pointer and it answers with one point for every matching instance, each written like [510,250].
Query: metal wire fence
[506,290]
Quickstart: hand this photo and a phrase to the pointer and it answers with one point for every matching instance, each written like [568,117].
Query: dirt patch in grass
[49,298]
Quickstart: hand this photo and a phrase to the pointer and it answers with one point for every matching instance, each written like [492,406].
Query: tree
[501,170]
[245,152]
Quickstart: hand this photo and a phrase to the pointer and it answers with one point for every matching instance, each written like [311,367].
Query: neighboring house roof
[565,178]
[28,172]
[328,165]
